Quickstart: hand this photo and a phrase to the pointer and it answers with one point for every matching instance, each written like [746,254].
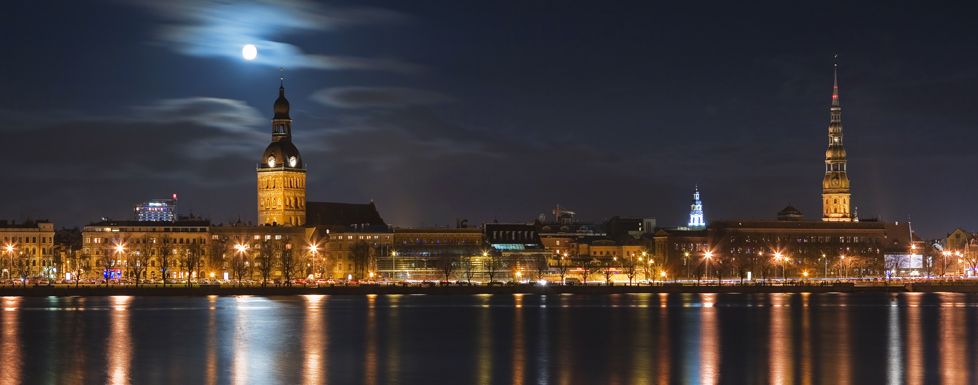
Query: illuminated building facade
[157,210]
[696,219]
[149,249]
[835,183]
[281,174]
[27,250]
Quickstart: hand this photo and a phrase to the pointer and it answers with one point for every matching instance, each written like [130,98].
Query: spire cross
[281,76]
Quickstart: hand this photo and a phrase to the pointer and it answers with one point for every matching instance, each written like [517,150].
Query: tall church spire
[696,219]
[835,184]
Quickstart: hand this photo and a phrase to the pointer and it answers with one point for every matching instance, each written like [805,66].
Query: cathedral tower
[281,173]
[696,219]
[835,184]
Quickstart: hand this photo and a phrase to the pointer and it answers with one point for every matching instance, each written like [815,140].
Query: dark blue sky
[440,110]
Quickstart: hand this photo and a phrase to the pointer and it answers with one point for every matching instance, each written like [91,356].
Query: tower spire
[835,82]
[835,183]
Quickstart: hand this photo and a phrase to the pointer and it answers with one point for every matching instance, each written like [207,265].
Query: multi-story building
[27,250]
[157,210]
[428,253]
[243,252]
[149,250]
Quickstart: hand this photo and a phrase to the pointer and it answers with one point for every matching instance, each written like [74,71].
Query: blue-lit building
[157,210]
[696,219]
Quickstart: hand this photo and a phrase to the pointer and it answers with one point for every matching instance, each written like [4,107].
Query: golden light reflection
[915,343]
[120,344]
[484,343]
[806,340]
[709,340]
[211,368]
[780,342]
[663,353]
[393,329]
[952,334]
[370,361]
[843,355]
[10,359]
[563,341]
[313,346]
[519,350]
[239,360]
[894,351]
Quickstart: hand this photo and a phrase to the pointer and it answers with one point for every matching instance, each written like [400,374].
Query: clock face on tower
[293,161]
[271,161]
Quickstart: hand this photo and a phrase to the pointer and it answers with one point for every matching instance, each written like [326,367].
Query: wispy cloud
[214,28]
[377,97]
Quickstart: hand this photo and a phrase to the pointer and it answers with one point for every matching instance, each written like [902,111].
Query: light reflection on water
[517,339]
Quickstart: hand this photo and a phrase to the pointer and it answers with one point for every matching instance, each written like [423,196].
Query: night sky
[439,110]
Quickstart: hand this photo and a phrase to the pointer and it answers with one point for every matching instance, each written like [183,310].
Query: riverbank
[63,291]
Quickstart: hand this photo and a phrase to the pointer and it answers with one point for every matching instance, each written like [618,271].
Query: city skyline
[396,131]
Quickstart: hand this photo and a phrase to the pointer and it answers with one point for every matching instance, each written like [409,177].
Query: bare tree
[492,265]
[266,260]
[165,253]
[360,253]
[631,267]
[469,268]
[541,265]
[107,262]
[138,259]
[76,263]
[446,263]
[588,267]
[289,261]
[647,270]
[239,265]
[608,269]
[23,266]
[563,264]
[190,258]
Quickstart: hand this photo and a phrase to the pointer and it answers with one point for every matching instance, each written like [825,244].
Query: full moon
[249,52]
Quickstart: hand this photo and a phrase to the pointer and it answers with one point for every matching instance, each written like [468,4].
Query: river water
[499,339]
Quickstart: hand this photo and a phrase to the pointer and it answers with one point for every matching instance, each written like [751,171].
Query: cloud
[214,28]
[227,114]
[377,97]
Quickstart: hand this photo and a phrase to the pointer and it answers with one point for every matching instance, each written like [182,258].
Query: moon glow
[249,52]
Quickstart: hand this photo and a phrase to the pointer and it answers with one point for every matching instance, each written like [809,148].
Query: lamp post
[707,258]
[945,253]
[120,249]
[9,249]
[686,262]
[845,268]
[240,248]
[781,259]
[314,250]
[394,264]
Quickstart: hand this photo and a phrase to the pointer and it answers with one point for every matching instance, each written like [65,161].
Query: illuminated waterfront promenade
[962,286]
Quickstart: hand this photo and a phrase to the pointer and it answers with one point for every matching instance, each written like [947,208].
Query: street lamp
[120,249]
[781,259]
[845,268]
[394,264]
[707,257]
[314,251]
[9,249]
[686,262]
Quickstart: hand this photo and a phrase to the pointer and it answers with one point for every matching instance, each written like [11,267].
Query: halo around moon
[249,52]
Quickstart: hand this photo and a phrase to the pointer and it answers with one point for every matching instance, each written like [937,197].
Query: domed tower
[281,173]
[835,184]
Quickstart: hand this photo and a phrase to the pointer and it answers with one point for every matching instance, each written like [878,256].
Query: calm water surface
[498,339]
